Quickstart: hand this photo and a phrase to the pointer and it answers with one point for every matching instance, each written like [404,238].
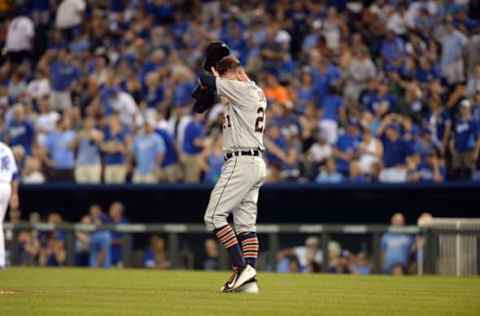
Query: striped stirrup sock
[250,247]
[226,236]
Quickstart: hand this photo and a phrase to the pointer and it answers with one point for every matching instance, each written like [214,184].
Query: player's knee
[207,219]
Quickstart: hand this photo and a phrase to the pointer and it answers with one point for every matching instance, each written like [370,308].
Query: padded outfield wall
[279,203]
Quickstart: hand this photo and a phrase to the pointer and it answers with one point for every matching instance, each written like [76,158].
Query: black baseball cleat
[239,278]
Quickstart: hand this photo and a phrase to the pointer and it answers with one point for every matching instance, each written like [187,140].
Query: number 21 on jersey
[260,121]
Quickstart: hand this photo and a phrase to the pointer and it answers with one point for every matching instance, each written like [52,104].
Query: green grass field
[34,291]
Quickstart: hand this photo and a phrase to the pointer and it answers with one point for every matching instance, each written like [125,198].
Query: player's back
[245,107]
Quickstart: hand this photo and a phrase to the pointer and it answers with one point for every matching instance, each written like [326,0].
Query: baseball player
[8,191]
[243,172]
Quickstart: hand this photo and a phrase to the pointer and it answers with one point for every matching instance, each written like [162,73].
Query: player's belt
[255,153]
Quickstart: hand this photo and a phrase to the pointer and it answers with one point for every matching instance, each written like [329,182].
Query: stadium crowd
[102,248]
[368,91]
[400,253]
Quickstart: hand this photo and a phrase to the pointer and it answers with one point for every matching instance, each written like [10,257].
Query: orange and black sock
[250,247]
[227,237]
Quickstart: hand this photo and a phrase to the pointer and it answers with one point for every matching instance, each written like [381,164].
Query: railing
[429,264]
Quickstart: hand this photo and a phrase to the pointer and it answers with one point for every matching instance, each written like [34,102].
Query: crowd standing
[370,91]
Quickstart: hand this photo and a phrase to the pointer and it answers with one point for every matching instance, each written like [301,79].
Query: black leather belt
[255,153]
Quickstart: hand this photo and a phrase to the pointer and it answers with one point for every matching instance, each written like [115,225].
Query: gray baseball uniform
[242,176]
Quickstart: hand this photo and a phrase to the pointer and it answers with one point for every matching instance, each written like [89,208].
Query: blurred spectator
[332,109]
[466,142]
[346,146]
[473,84]
[341,264]
[116,213]
[427,169]
[360,264]
[19,41]
[63,75]
[60,144]
[148,151]
[424,220]
[453,45]
[360,71]
[396,248]
[29,248]
[275,92]
[28,245]
[123,103]
[289,264]
[114,146]
[213,159]
[70,16]
[317,155]
[193,143]
[156,256]
[329,173]
[32,172]
[471,51]
[393,48]
[88,168]
[52,252]
[211,261]
[82,244]
[323,67]
[20,131]
[309,257]
[46,120]
[100,240]
[396,151]
[170,163]
[370,151]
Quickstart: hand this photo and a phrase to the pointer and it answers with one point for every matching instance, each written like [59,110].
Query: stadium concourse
[371,91]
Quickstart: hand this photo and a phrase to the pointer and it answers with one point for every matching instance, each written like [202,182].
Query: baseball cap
[214,53]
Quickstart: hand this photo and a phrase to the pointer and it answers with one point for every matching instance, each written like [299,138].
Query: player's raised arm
[229,80]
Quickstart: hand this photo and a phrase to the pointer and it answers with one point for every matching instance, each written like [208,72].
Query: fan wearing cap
[465,145]
[148,151]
